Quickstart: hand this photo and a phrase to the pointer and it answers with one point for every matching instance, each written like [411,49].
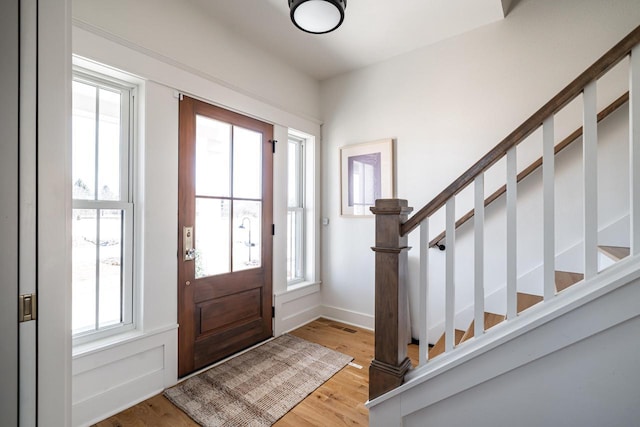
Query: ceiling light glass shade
[317,16]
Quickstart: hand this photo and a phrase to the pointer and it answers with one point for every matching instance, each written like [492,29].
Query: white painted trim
[623,277]
[54,212]
[118,409]
[298,290]
[28,193]
[11,218]
[103,400]
[548,196]
[450,282]
[124,55]
[478,256]
[301,318]
[170,61]
[117,340]
[512,233]
[349,317]
[287,304]
[590,171]
[423,326]
[634,148]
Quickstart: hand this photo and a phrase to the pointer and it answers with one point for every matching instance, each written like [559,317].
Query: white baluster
[548,195]
[449,274]
[512,199]
[590,165]
[424,291]
[478,228]
[634,149]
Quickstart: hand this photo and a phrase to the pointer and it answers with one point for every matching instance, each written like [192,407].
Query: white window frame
[125,203]
[297,242]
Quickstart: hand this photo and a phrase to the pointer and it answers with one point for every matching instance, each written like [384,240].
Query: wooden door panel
[229,311]
[221,314]
[219,346]
[228,284]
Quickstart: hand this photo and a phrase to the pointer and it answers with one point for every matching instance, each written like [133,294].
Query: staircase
[564,280]
[571,306]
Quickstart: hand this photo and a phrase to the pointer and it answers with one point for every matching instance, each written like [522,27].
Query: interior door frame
[9,202]
[186,168]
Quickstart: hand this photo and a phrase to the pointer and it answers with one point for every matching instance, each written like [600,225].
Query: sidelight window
[103,208]
[296,210]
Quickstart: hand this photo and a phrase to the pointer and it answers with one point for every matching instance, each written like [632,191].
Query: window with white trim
[296,229]
[103,208]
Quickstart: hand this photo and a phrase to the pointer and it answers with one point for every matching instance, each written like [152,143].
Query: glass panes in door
[228,223]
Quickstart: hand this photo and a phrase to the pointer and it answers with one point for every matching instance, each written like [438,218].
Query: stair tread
[565,279]
[526,301]
[616,253]
[490,320]
[438,347]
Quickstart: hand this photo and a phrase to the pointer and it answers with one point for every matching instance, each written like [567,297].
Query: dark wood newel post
[391,363]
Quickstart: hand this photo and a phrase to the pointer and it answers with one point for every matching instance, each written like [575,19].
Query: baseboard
[350,317]
[84,413]
[295,308]
[301,318]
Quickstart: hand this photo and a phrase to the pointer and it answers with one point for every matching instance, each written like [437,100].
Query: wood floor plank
[338,402]
[156,411]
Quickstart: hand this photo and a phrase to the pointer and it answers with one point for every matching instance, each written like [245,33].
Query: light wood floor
[338,402]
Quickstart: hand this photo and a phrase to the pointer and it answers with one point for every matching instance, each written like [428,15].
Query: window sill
[102,344]
[300,286]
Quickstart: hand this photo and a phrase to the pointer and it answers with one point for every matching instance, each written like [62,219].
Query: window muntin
[102,221]
[228,186]
[296,210]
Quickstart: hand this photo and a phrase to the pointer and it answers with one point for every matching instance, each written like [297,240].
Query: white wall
[189,36]
[112,375]
[447,105]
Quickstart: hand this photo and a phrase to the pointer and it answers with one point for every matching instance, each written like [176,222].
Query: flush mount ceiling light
[317,16]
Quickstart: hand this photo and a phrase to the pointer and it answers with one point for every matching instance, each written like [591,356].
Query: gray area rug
[257,387]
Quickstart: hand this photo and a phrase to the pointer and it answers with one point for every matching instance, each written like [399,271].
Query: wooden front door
[225,233]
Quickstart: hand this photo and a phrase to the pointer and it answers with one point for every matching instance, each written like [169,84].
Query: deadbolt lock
[188,252]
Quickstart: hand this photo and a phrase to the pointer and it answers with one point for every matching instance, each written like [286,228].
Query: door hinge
[273,229]
[273,145]
[273,312]
[27,307]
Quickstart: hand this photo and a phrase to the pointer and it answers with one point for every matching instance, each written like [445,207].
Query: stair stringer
[594,307]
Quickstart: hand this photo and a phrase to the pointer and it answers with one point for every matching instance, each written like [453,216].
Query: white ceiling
[373,30]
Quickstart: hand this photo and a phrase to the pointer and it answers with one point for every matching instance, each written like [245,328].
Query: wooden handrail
[566,95]
[535,165]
